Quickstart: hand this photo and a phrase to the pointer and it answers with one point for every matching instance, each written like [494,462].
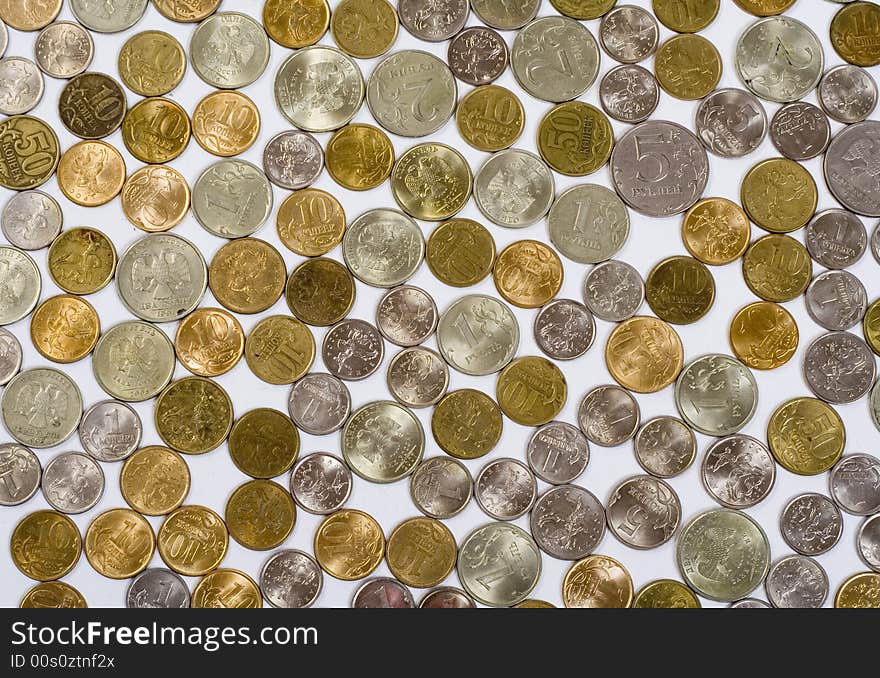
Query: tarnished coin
[860,590]
[564,329]
[431,22]
[447,597]
[811,524]
[10,355]
[608,415]
[229,50]
[193,415]
[664,594]
[568,522]
[81,260]
[225,123]
[63,49]
[359,157]
[232,198]
[695,18]
[263,443]
[687,66]
[91,173]
[20,471]
[72,482]
[629,93]
[868,542]
[41,407]
[644,354]
[24,166]
[260,514]
[291,579]
[466,423]
[92,105]
[849,152]
[421,552]
[613,290]
[431,181]
[193,540]
[441,487]
[505,489]
[157,588]
[716,231]
[417,377]
[836,238]
[588,223]
[293,159]
[779,195]
[528,273]
[854,31]
[53,595]
[155,198]
[114,18]
[460,252]
[847,93]
[383,593]
[763,335]
[839,367]
[22,285]
[45,545]
[156,130]
[514,188]
[21,86]
[796,581]
[531,390]
[352,349]
[247,275]
[597,581]
[806,436]
[151,63]
[383,247]
[478,335]
[629,33]
[154,480]
[29,15]
[716,394]
[133,361]
[499,564]
[31,220]
[383,442]
[110,430]
[319,403]
[349,544]
[209,342]
[680,290]
[731,122]
[320,483]
[854,483]
[665,446]
[506,17]
[870,327]
[738,471]
[588,133]
[558,452]
[490,118]
[836,300]
[478,55]
[777,268]
[364,28]
[643,512]
[295,24]
[227,588]
[800,130]
[320,291]
[119,543]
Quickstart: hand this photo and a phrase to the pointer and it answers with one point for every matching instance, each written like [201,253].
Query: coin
[800,131]
[319,403]
[568,522]
[260,514]
[53,595]
[613,290]
[629,93]
[263,443]
[92,105]
[63,49]
[582,9]
[31,220]
[716,394]
[192,540]
[359,157]
[441,487]
[229,50]
[383,593]
[225,123]
[156,130]
[81,260]
[118,17]
[875,243]
[209,342]
[870,327]
[575,138]
[227,588]
[154,480]
[731,122]
[665,593]
[119,543]
[349,544]
[20,470]
[151,63]
[383,247]
[232,198]
[689,18]
[644,354]
[665,446]
[608,415]
[193,415]
[296,24]
[417,377]
[72,482]
[764,8]
[41,407]
[320,483]
[806,436]
[643,512]
[22,289]
[528,273]
[133,361]
[785,185]
[811,524]
[247,275]
[291,579]
[155,198]
[490,118]
[836,300]
[364,28]
[447,597]
[506,17]
[716,231]
[110,430]
[839,367]
[478,335]
[505,489]
[836,238]
[320,291]
[597,581]
[421,552]
[383,442]
[466,424]
[847,93]
[531,390]
[406,315]
[796,581]
[433,23]
[22,85]
[514,188]
[763,335]
[749,603]
[859,591]
[629,33]
[157,588]
[855,484]
[850,149]
[738,471]
[91,173]
[478,55]
[29,165]
[680,290]
[352,349]
[853,32]
[431,181]
[777,268]
[564,329]
[29,15]
[510,558]
[293,159]
[45,545]
[868,542]
[687,66]
[460,252]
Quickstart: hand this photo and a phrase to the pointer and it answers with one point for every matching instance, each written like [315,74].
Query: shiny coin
[447,597]
[209,342]
[749,603]
[247,275]
[811,524]
[854,33]
[31,220]
[460,252]
[430,22]
[421,552]
[847,93]
[836,300]
[597,581]
[588,223]
[716,231]
[41,407]
[528,273]
[227,588]
[45,545]
[24,166]
[406,315]
[629,93]
[82,260]
[644,354]
[91,173]
[806,436]
[490,118]
[687,67]
[608,415]
[225,123]
[494,546]
[731,122]
[157,588]
[860,590]
[383,593]
[29,15]
[349,544]
[514,188]
[113,19]
[359,157]
[796,582]
[506,17]
[155,198]
[665,593]
[854,484]
[431,181]
[779,195]
[629,33]
[320,483]
[156,130]
[22,285]
[800,130]
[575,138]
[383,442]
[92,105]
[193,540]
[505,489]
[229,50]
[291,579]
[21,86]
[738,471]
[352,349]
[564,329]
[154,480]
[849,152]
[441,487]
[296,24]
[319,403]
[643,512]
[665,446]
[383,247]
[193,415]
[680,290]
[63,49]
[110,431]
[777,268]
[716,394]
[477,56]
[53,595]
[764,8]
[868,542]
[870,327]
[232,198]
[568,522]
[364,28]
[10,356]
[260,514]
[763,335]
[293,159]
[263,443]
[839,367]
[151,63]
[119,543]
[694,18]
[20,470]
[836,238]
[466,424]
[613,291]
[133,361]
[478,335]
[531,390]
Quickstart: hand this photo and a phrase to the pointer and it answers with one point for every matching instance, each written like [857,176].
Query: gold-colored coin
[154,480]
[528,273]
[91,173]
[861,590]
[156,130]
[151,63]
[597,581]
[687,66]
[421,552]
[680,290]
[260,514]
[855,33]
[320,292]
[92,105]
[806,436]
[280,349]
[460,252]
[188,11]
[296,23]
[82,260]
[28,152]
[310,222]
[193,415]
[666,593]
[871,326]
[65,328]
[535,603]
[644,354]
[777,268]
[467,424]
[247,275]
[349,544]
[686,16]
[120,543]
[716,231]
[55,595]
[155,198]
[431,181]
[531,390]
[490,118]
[264,443]
[227,589]
[583,10]
[364,28]
[45,545]
[764,7]
[29,15]
[763,335]
[779,195]
[575,138]
[226,123]
[359,157]
[193,540]
[209,342]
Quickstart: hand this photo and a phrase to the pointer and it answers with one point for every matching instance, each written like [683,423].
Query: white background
[214,476]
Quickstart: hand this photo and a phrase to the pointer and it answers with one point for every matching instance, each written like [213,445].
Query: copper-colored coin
[665,594]
[310,222]
[91,173]
[687,66]
[264,443]
[763,335]
[680,290]
[528,273]
[119,543]
[871,326]
[359,157]
[855,33]
[296,23]
[209,342]
[280,349]
[644,354]
[53,595]
[247,275]
[777,268]
[779,195]
[765,7]
[154,480]
[716,231]
[155,198]
[92,105]
[29,165]
[531,390]
[597,581]
[575,138]
[349,544]
[364,29]
[45,545]
[467,424]
[156,130]
[226,123]
[151,63]
[260,514]
[193,415]
[686,17]
[421,552]
[189,11]
[490,118]
[65,328]
[861,590]
[193,540]
[320,291]
[806,436]
[227,589]
[29,15]
[580,9]
[460,252]
[82,260]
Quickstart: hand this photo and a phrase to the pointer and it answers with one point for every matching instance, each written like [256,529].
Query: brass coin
[247,275]
[226,123]
[29,15]
[806,436]
[687,66]
[666,593]
[45,545]
[421,552]
[310,222]
[28,152]
[716,231]
[686,16]
[82,260]
[861,590]
[431,181]
[260,514]
[193,540]
[364,28]
[151,63]
[531,390]
[154,480]
[460,252]
[467,424]
[320,292]
[92,105]
[91,173]
[575,138]
[871,326]
[528,273]
[349,544]
[535,603]
[763,335]
[53,595]
[359,157]
[296,23]
[193,415]
[65,328]
[597,581]
[264,443]
[855,33]
[189,11]
[119,543]
[280,349]
[779,195]
[209,342]
[777,268]
[227,588]
[490,118]
[765,7]
[156,130]
[644,354]
[584,10]
[155,198]
[680,290]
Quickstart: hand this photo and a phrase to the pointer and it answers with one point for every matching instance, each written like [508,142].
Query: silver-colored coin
[31,220]
[431,20]
[447,597]
[836,238]
[874,404]
[836,300]
[232,198]
[72,482]
[613,290]
[319,403]
[629,33]
[629,93]
[642,171]
[383,247]
[161,277]
[383,592]
[4,38]
[383,442]
[291,579]
[796,581]
[108,16]
[555,58]
[19,474]
[847,93]
[441,487]
[110,431]
[478,55]
[875,242]
[750,604]
[643,512]
[738,471]
[731,122]
[320,483]
[353,349]
[411,93]
[21,85]
[10,355]
[779,59]
[133,361]
[293,159]
[811,524]
[21,285]
[723,554]
[588,223]
[850,155]
[800,130]
[564,329]
[417,377]
[514,188]
[568,522]
[499,564]
[478,335]
[868,542]
[716,394]
[855,484]
[406,315]
[229,50]
[64,49]
[319,88]
[157,588]
[506,16]
[839,367]
[608,415]
[41,407]
[665,446]
[505,489]
[558,452]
